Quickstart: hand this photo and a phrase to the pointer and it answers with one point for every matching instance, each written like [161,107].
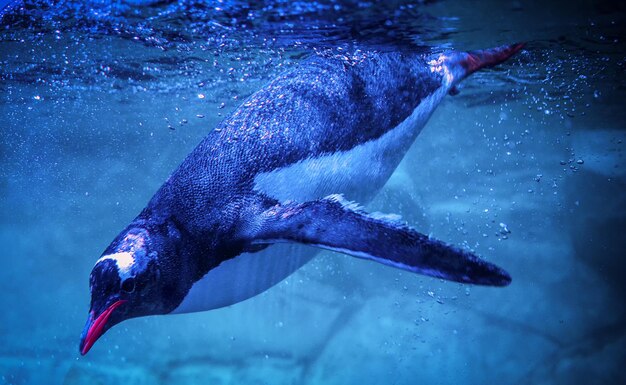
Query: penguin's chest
[245,276]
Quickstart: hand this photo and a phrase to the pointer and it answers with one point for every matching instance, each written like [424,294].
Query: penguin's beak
[94,328]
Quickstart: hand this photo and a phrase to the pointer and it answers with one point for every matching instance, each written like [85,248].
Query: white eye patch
[123,260]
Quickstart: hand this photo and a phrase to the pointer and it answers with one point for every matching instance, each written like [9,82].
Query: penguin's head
[123,284]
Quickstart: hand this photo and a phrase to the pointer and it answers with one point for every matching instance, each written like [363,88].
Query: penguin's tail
[456,66]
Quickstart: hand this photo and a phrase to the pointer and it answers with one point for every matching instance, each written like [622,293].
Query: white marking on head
[123,260]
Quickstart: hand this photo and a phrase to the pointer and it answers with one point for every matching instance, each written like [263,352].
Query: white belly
[358,173]
[245,276]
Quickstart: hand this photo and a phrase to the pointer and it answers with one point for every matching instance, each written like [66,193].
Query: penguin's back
[328,105]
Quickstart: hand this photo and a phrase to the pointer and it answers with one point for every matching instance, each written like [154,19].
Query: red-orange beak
[95,327]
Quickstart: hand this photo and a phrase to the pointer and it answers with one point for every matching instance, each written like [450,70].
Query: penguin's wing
[335,224]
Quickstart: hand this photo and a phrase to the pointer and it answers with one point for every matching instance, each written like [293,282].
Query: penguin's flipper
[335,224]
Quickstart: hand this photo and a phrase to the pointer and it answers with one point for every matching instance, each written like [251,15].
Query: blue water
[100,101]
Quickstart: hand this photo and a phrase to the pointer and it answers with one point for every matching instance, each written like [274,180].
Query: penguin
[287,168]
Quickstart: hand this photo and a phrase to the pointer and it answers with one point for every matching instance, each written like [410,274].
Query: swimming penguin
[286,168]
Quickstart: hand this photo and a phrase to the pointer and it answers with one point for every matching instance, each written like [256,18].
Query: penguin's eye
[128,285]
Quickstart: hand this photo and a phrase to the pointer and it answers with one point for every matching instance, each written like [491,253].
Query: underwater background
[101,100]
